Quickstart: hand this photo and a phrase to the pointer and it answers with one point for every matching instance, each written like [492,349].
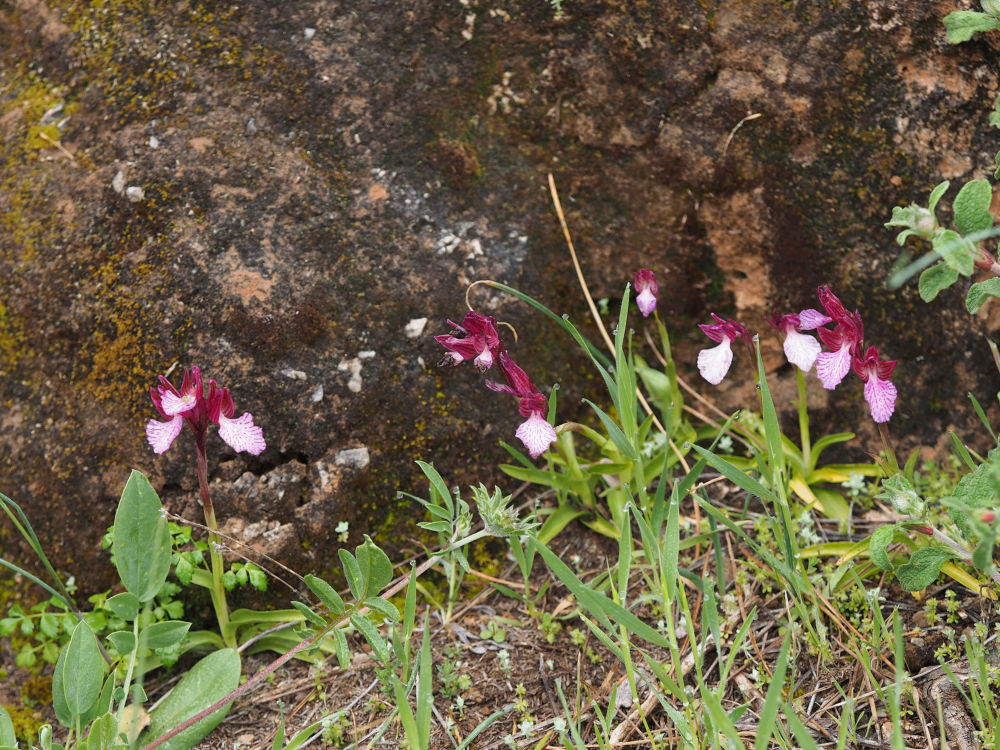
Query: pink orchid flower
[844,341]
[801,349]
[190,405]
[646,290]
[880,392]
[535,432]
[476,339]
[714,362]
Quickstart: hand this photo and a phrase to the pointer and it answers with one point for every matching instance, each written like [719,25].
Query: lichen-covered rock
[277,192]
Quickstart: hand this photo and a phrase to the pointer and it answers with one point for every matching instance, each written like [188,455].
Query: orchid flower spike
[191,405]
[476,339]
[880,392]
[646,290]
[801,349]
[535,432]
[714,362]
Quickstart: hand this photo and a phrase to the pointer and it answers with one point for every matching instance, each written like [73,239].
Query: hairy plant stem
[218,591]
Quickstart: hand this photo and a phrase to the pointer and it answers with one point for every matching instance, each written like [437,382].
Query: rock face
[294,196]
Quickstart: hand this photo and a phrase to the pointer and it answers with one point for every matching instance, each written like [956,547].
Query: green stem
[218,591]
[803,422]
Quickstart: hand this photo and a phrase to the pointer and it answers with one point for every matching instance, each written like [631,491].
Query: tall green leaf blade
[614,432]
[736,476]
[600,606]
[141,539]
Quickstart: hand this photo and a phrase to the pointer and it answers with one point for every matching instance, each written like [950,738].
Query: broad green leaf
[934,279]
[141,539]
[374,638]
[125,605]
[7,736]
[311,616]
[972,207]
[960,25]
[375,566]
[385,608]
[923,568]
[79,675]
[878,544]
[956,251]
[899,491]
[352,572]
[325,593]
[164,634]
[211,679]
[980,292]
[340,645]
[123,641]
[103,732]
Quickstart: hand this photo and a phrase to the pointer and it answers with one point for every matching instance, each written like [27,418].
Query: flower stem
[217,591]
[803,422]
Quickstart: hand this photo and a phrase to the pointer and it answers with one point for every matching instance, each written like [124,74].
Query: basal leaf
[212,678]
[79,674]
[141,539]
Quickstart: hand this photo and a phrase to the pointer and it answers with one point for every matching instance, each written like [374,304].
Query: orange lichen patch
[243,282]
[377,192]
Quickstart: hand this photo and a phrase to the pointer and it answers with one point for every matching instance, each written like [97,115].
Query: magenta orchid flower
[646,290]
[880,392]
[801,349]
[191,405]
[535,432]
[844,341]
[714,362]
[476,339]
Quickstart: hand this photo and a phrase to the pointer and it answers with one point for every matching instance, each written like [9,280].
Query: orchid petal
[810,319]
[713,363]
[162,434]
[832,367]
[881,397]
[801,350]
[241,434]
[536,434]
[646,301]
[174,404]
